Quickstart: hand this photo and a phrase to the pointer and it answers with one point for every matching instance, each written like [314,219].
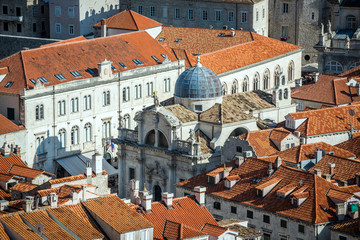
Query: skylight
[178,40]
[33,81]
[60,76]
[122,64]
[161,39]
[156,59]
[89,70]
[221,34]
[163,55]
[138,62]
[75,74]
[43,80]
[9,84]
[113,68]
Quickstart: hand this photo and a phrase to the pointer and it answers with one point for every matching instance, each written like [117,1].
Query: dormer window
[75,74]
[60,77]
[113,68]
[211,180]
[138,62]
[221,34]
[9,84]
[89,70]
[163,55]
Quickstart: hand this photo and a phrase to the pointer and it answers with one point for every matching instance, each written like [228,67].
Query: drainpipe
[54,125]
[296,20]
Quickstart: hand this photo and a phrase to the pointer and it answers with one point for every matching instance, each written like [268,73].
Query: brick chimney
[168,199]
[146,201]
[331,168]
[53,200]
[200,195]
[103,28]
[17,150]
[318,172]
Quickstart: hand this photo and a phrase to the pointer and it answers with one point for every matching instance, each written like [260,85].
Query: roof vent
[221,34]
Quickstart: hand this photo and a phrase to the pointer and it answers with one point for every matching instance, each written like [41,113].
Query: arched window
[61,108]
[149,89]
[224,89]
[266,79]
[87,132]
[333,66]
[280,94]
[351,22]
[136,114]
[126,94]
[74,105]
[62,138]
[40,145]
[138,91]
[39,112]
[355,64]
[167,85]
[291,71]
[277,73]
[127,121]
[75,135]
[106,129]
[87,102]
[150,138]
[245,84]
[256,81]
[286,93]
[163,143]
[106,98]
[234,87]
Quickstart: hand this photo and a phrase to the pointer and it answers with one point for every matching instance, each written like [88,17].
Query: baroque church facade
[183,136]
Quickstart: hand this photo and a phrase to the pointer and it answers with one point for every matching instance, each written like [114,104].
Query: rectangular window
[198,108]
[131,173]
[71,12]
[204,15]
[342,238]
[152,11]
[266,236]
[233,209]
[34,27]
[5,9]
[263,14]
[11,113]
[217,205]
[266,219]
[18,27]
[190,14]
[71,29]
[293,145]
[217,15]
[257,15]
[287,146]
[249,214]
[140,9]
[6,26]
[177,13]
[243,17]
[231,16]
[18,12]
[239,149]
[34,11]
[285,7]
[57,11]
[283,223]
[312,16]
[57,27]
[301,228]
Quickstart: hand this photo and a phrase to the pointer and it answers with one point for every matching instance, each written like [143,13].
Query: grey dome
[198,82]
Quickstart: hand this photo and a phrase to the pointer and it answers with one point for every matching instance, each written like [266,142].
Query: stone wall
[12,44]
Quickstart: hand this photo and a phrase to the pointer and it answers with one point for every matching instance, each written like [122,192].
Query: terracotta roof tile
[109,209]
[216,171]
[75,223]
[260,142]
[245,232]
[15,223]
[7,161]
[80,38]
[348,227]
[129,20]
[51,229]
[72,178]
[173,230]
[81,212]
[182,113]
[343,196]
[329,120]
[79,56]
[352,145]
[245,192]
[24,187]
[7,126]
[352,72]
[3,234]
[213,230]
[268,183]
[26,171]
[185,211]
[5,177]
[279,134]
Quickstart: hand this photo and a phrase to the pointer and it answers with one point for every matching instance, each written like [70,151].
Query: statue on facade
[156,100]
[329,27]
[121,121]
[347,42]
[322,29]
[192,134]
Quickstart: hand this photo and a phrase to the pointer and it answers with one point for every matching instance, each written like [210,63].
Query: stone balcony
[11,18]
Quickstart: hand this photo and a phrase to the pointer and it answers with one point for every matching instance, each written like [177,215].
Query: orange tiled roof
[7,126]
[4,70]
[4,195]
[117,214]
[351,145]
[328,90]
[345,169]
[79,56]
[173,230]
[7,161]
[129,20]
[5,177]
[75,223]
[254,173]
[352,72]
[306,152]
[268,183]
[81,212]
[216,171]
[279,134]
[51,229]
[350,227]
[16,224]
[26,171]
[329,120]
[24,187]
[213,230]
[185,211]
[80,38]
[339,195]
[260,142]
[72,178]
[3,234]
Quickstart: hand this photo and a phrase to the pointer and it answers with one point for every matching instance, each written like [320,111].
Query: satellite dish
[40,227]
[352,112]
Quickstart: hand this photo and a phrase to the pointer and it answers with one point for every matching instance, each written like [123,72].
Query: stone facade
[248,15]
[69,19]
[24,18]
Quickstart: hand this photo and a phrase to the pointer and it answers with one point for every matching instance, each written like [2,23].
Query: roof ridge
[24,69]
[137,27]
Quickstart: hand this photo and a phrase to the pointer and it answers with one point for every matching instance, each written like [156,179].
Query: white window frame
[75,135]
[204,15]
[71,29]
[217,15]
[62,138]
[243,18]
[230,16]
[71,12]
[57,11]
[58,28]
[106,129]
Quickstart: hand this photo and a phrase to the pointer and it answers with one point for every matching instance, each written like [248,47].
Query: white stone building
[72,105]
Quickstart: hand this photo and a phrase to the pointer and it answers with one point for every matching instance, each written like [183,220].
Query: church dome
[198,83]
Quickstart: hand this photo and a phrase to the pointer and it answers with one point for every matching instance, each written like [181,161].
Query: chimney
[4,204]
[270,170]
[28,204]
[168,198]
[239,160]
[232,33]
[97,163]
[277,163]
[340,211]
[200,195]
[84,189]
[146,201]
[318,155]
[134,190]
[53,199]
[88,172]
[318,172]
[316,77]
[327,177]
[297,133]
[17,151]
[74,197]
[331,168]
[103,28]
